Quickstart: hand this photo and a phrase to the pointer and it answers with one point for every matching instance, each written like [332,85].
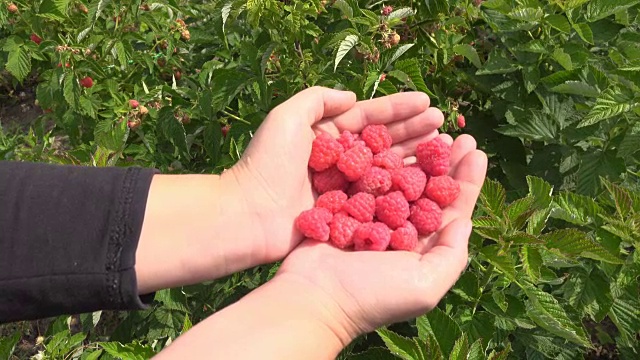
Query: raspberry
[342,228]
[314,223]
[377,138]
[433,157]
[404,237]
[372,236]
[325,152]
[355,162]
[330,179]
[12,8]
[387,10]
[347,140]
[383,77]
[392,209]
[376,181]
[442,189]
[36,39]
[410,180]
[86,82]
[332,200]
[461,121]
[388,160]
[361,206]
[426,216]
[134,103]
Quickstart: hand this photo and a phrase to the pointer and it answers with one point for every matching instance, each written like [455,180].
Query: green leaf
[558,22]
[576,88]
[8,344]
[467,287]
[563,59]
[71,91]
[595,164]
[18,63]
[399,52]
[345,46]
[54,9]
[503,261]
[538,221]
[547,312]
[621,197]
[500,355]
[133,351]
[589,292]
[475,351]
[493,197]
[469,52]
[401,13]
[609,104]
[411,67]
[498,63]
[574,208]
[541,191]
[344,8]
[212,141]
[400,346]
[629,144]
[574,243]
[600,9]
[584,31]
[373,353]
[173,130]
[444,329]
[460,349]
[519,211]
[625,315]
[531,262]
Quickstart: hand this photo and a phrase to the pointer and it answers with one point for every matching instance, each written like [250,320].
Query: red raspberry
[361,206]
[387,10]
[404,237]
[314,223]
[383,77]
[433,157]
[442,189]
[376,181]
[461,121]
[330,179]
[377,138]
[134,103]
[332,200]
[225,130]
[12,8]
[410,180]
[347,139]
[426,216]
[388,160]
[392,209]
[355,162]
[325,152]
[86,82]
[342,228]
[372,236]
[36,39]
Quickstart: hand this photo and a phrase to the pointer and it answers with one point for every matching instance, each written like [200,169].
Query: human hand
[364,290]
[272,174]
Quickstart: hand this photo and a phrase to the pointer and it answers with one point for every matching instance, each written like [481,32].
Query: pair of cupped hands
[271,185]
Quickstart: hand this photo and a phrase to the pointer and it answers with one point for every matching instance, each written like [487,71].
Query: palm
[274,166]
[376,288]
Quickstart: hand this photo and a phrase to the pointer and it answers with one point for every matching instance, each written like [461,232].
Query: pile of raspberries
[369,199]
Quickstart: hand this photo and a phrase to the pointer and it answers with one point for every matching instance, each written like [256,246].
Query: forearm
[280,320]
[194,230]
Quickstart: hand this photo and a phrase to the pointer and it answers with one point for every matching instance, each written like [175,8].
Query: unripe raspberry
[377,138]
[392,209]
[376,181]
[342,228]
[134,103]
[404,237]
[372,236]
[426,216]
[355,162]
[433,157]
[314,223]
[461,121]
[330,179]
[442,189]
[143,110]
[394,39]
[332,200]
[12,8]
[361,206]
[325,152]
[133,124]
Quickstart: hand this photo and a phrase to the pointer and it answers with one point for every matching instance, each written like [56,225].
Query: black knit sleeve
[68,237]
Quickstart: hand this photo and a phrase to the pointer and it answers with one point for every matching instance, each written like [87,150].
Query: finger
[448,258]
[382,110]
[408,148]
[314,104]
[461,146]
[416,126]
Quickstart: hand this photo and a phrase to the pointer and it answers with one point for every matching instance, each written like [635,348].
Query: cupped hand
[364,290]
[273,176]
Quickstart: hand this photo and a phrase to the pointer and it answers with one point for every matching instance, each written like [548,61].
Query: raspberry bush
[549,89]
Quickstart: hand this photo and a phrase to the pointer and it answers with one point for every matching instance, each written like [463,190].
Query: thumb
[316,103]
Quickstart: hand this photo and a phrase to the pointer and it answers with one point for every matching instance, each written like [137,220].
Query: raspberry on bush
[426,216]
[355,162]
[314,223]
[434,156]
[372,236]
[332,200]
[361,206]
[442,189]
[392,209]
[404,237]
[342,228]
[325,152]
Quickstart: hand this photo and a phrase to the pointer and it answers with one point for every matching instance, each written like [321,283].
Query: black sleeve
[68,237]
